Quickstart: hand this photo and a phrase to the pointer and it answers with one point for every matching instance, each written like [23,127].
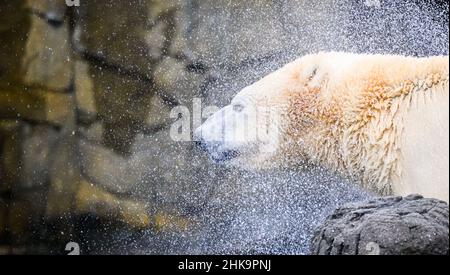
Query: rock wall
[86,94]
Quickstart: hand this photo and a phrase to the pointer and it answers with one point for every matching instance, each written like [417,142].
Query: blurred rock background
[86,94]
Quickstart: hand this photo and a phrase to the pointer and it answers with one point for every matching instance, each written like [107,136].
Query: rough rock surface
[385,226]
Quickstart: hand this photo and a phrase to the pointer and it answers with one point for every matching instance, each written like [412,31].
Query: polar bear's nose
[203,145]
[214,149]
[200,144]
[198,139]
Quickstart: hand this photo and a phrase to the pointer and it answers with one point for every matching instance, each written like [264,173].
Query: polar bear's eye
[238,108]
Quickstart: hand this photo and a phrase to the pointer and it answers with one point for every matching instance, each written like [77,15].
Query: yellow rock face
[36,105]
[47,59]
[165,222]
[92,199]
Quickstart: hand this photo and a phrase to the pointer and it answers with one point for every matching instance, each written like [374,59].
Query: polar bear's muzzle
[219,136]
[215,151]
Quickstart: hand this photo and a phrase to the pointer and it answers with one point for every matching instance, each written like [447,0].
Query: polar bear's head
[266,121]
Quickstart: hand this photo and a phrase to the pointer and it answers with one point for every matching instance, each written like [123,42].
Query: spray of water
[273,211]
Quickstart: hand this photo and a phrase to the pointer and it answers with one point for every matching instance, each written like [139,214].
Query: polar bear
[382,120]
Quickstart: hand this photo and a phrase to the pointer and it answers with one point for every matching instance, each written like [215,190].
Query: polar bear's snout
[209,137]
[241,132]
[206,139]
[215,152]
[224,135]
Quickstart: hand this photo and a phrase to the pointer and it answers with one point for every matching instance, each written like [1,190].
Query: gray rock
[385,226]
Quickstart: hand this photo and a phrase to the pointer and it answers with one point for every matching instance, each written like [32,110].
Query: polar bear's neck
[359,132]
[371,144]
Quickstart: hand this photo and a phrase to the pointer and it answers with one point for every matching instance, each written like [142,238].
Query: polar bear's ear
[313,76]
[311,73]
